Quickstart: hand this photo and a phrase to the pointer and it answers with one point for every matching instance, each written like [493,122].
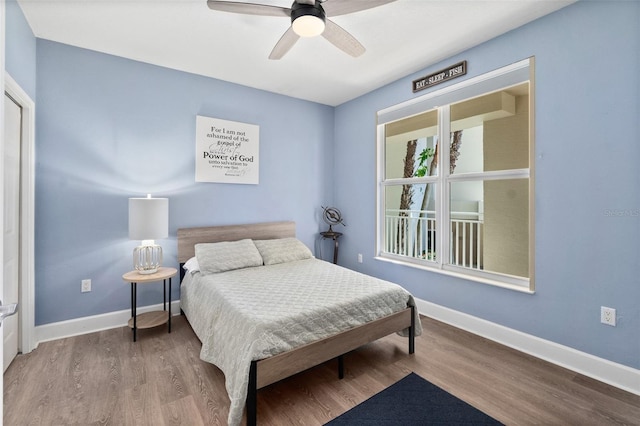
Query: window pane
[491,132]
[410,145]
[466,215]
[490,226]
[410,220]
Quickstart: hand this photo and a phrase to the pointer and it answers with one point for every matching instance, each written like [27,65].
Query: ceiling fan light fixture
[308,26]
[307,20]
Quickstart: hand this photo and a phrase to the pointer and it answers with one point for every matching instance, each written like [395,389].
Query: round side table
[154,318]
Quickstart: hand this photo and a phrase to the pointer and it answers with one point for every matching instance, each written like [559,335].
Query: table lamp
[148,221]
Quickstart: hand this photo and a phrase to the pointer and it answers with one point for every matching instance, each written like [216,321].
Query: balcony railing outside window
[412,233]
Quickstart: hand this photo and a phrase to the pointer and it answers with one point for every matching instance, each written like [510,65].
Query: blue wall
[587,150]
[20,49]
[109,128]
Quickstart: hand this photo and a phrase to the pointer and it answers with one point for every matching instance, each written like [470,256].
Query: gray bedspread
[253,313]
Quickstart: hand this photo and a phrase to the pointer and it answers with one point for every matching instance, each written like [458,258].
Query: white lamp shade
[148,218]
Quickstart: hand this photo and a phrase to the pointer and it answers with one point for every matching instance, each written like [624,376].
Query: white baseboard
[78,326]
[618,375]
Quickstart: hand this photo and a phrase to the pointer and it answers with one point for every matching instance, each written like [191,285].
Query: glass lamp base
[147,258]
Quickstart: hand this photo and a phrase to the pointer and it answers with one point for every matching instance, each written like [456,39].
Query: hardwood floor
[104,378]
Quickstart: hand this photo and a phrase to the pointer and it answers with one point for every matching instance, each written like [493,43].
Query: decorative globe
[332,216]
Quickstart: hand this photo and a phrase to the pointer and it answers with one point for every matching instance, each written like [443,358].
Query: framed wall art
[227,151]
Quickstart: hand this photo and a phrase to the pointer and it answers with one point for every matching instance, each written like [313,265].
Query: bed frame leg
[412,331]
[252,395]
[341,367]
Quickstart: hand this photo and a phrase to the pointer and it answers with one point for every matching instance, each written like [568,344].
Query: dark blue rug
[413,401]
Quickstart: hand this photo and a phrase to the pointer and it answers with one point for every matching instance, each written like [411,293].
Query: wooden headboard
[189,237]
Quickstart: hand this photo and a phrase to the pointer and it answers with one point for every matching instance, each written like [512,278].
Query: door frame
[2,65]
[26,301]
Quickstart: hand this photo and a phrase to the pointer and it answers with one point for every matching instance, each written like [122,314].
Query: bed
[264,308]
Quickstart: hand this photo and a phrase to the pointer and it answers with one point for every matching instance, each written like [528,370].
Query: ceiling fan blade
[342,39]
[285,44]
[249,8]
[343,7]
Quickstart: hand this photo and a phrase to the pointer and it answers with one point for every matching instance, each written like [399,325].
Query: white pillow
[227,256]
[282,250]
[191,266]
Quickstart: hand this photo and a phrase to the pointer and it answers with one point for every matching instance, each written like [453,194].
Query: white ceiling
[401,38]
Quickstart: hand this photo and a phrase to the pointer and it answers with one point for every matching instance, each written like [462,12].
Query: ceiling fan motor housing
[315,10]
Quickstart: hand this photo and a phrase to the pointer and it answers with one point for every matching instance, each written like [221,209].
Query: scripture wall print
[226,151]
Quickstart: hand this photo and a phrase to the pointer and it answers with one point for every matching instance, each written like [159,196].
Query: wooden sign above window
[441,76]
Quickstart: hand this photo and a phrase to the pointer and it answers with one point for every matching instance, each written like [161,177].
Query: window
[455,179]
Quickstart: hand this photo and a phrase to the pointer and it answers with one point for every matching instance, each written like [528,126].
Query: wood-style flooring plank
[105,378]
[181,412]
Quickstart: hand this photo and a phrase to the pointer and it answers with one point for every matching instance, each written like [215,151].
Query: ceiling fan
[308,19]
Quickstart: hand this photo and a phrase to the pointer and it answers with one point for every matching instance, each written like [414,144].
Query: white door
[11,251]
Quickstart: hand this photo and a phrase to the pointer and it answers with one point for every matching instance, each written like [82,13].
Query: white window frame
[441,100]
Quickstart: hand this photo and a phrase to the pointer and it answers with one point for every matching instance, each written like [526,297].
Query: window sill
[487,281]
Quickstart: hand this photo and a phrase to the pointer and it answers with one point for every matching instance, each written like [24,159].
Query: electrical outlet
[359,257]
[608,316]
[86,286]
